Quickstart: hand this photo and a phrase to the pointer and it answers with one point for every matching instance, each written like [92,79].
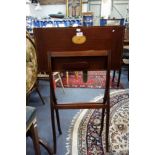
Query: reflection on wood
[98,38]
[46,2]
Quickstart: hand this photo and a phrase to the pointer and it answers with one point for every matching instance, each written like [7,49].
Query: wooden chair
[31,130]
[125,56]
[79,61]
[125,63]
[31,68]
[57,78]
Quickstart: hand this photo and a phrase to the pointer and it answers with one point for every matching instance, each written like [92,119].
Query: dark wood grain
[60,39]
[80,60]
[81,105]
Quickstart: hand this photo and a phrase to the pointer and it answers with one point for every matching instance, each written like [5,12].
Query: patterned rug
[84,136]
[96,79]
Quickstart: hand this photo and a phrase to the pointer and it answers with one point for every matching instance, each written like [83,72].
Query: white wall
[84,7]
[106,9]
[119,8]
[46,10]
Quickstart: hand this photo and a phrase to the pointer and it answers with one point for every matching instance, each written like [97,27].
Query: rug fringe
[75,118]
[69,136]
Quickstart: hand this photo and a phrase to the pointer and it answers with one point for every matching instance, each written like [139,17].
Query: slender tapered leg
[103,111]
[102,121]
[113,76]
[119,77]
[67,77]
[58,121]
[128,73]
[53,129]
[35,139]
[27,99]
[107,126]
[45,145]
[40,95]
[61,82]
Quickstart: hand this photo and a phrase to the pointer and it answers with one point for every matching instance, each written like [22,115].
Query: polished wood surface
[60,39]
[82,105]
[79,60]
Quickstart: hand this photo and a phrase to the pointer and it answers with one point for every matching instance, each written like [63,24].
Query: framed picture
[52,2]
[84,1]
[73,8]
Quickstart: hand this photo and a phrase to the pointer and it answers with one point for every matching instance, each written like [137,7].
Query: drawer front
[79,63]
